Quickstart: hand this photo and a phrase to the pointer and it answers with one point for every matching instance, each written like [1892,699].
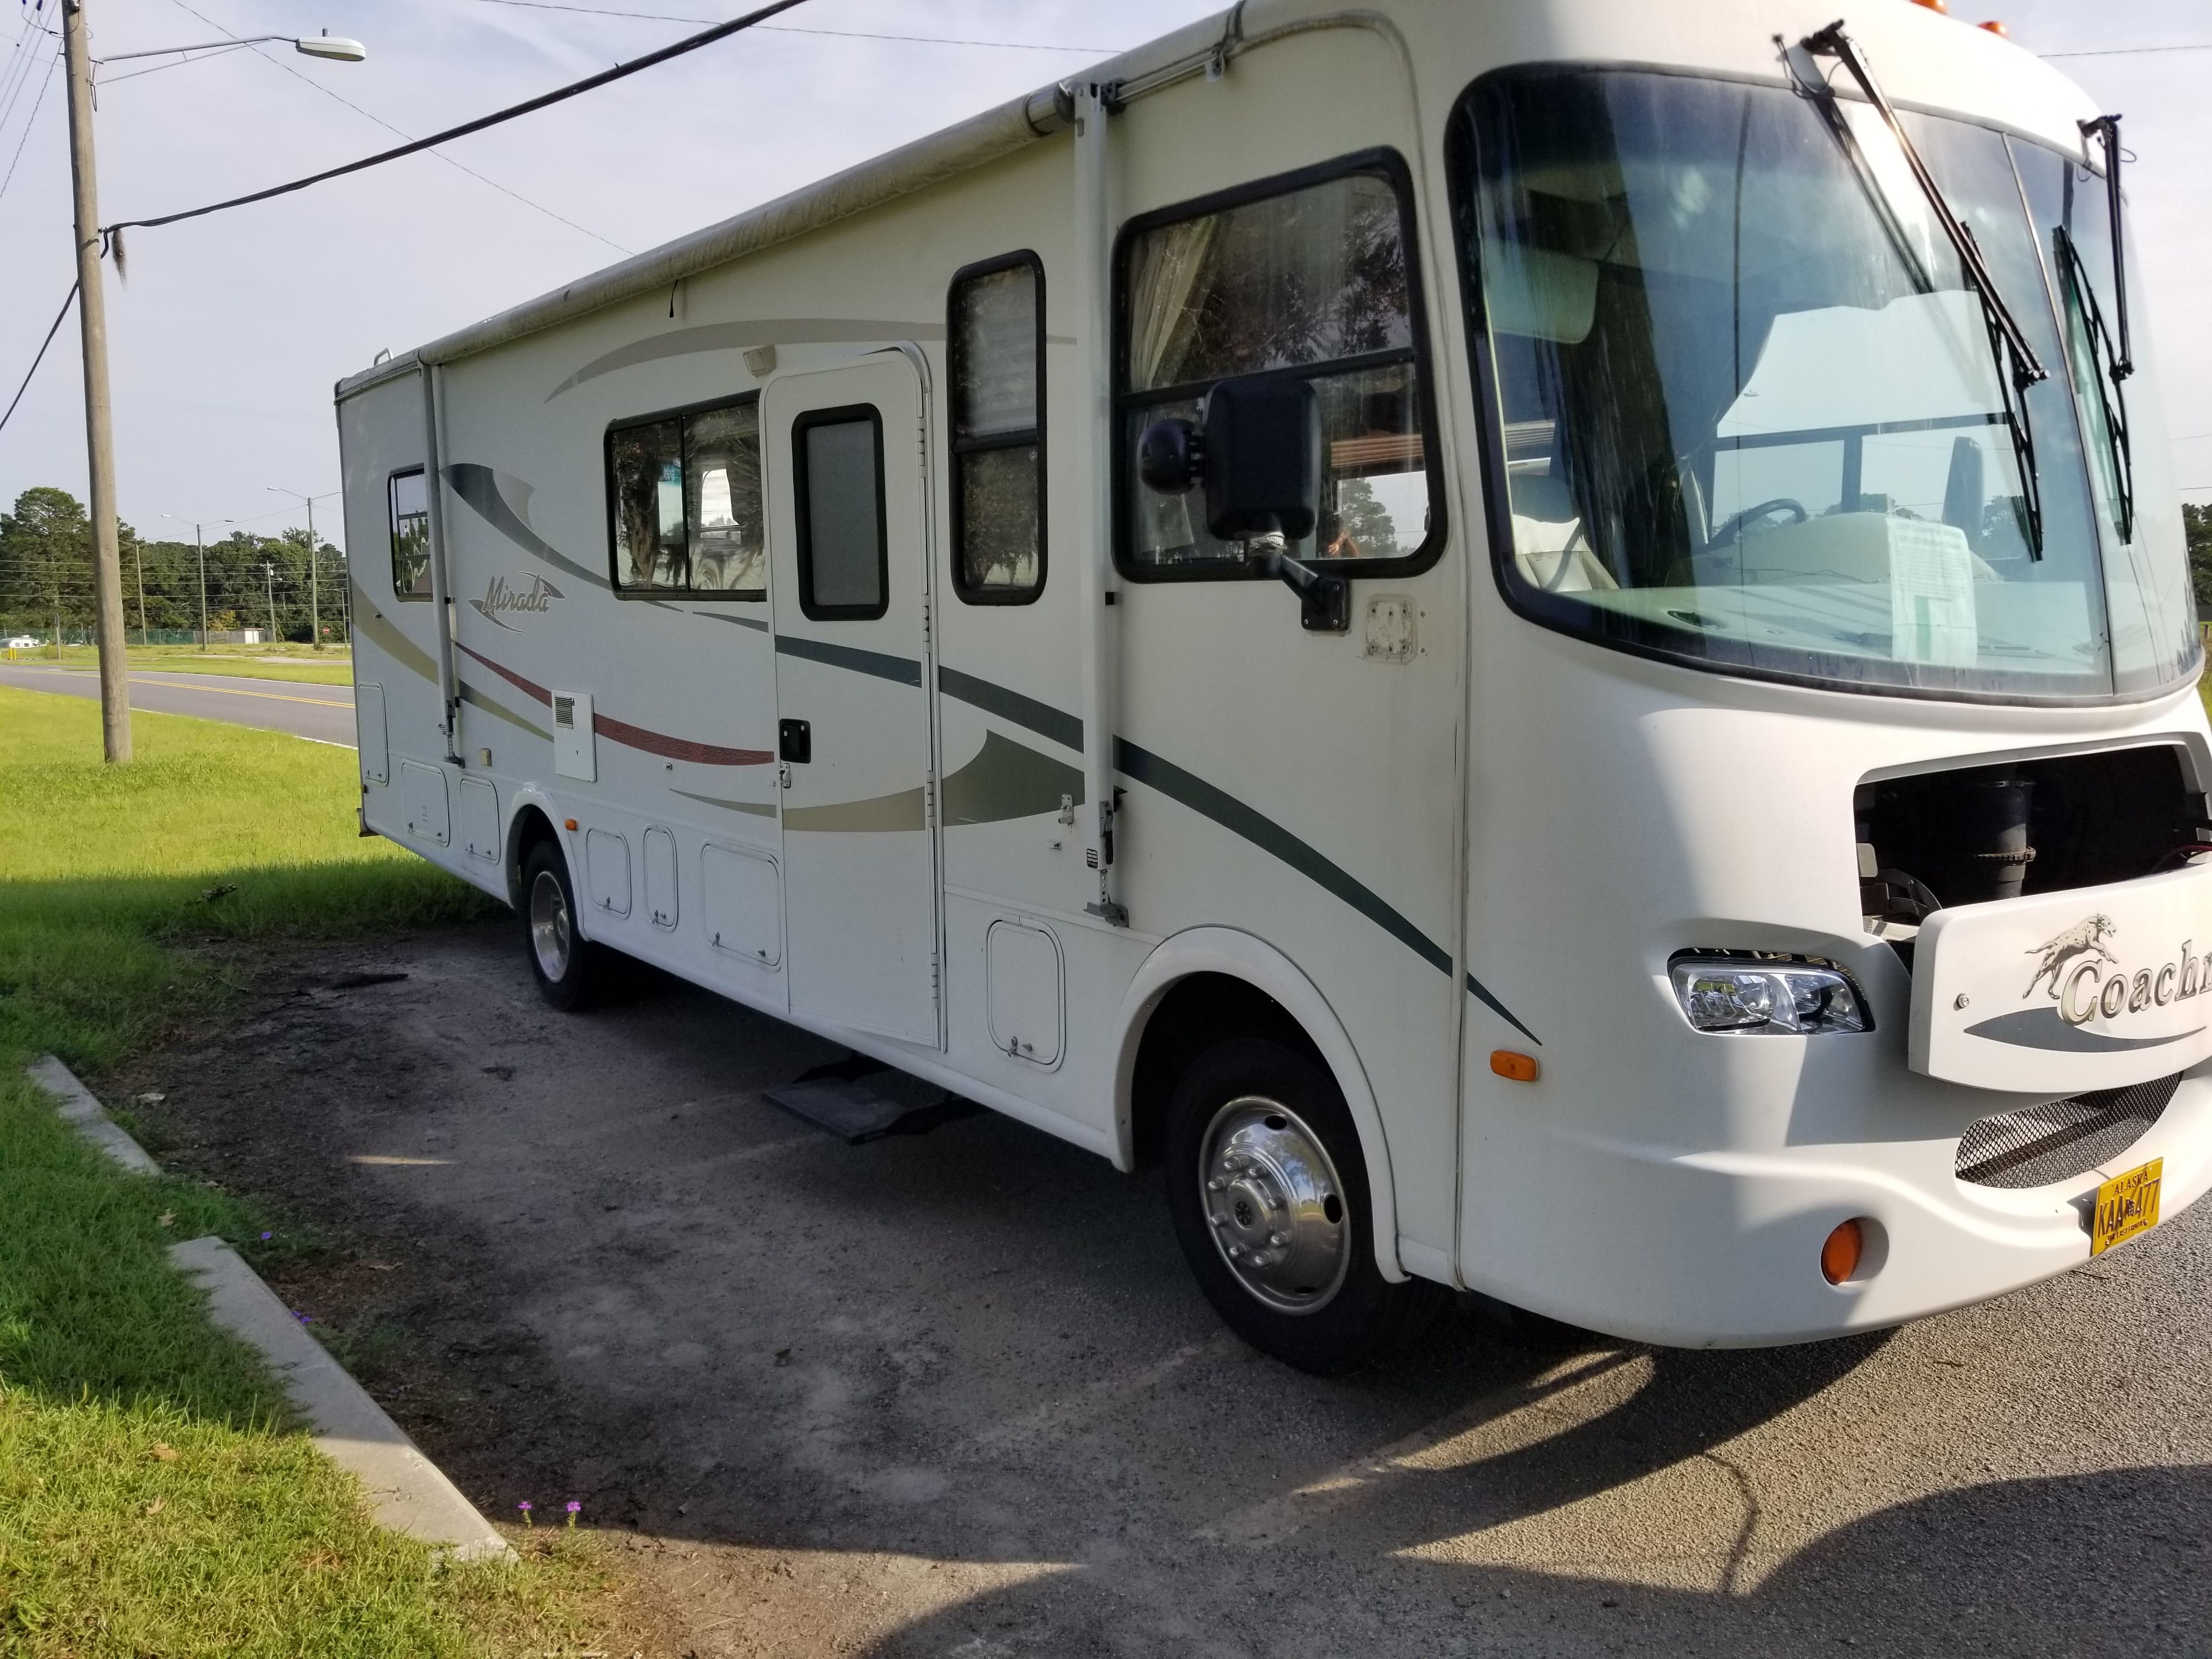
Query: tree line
[46,577]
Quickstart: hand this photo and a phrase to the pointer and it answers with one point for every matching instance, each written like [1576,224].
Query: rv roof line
[1195,49]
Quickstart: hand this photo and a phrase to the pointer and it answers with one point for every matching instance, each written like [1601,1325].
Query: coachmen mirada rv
[1544,646]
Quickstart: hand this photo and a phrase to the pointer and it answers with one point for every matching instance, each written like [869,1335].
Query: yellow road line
[226,690]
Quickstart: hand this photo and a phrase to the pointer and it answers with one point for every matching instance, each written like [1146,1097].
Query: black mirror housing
[1259,458]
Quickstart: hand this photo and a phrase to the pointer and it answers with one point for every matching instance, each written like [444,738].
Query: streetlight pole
[315,563]
[269,573]
[199,547]
[98,431]
[138,566]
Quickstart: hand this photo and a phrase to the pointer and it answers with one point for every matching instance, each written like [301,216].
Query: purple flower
[525,1507]
[305,1319]
[574,1508]
[265,1237]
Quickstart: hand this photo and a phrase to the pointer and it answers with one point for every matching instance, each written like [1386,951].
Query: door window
[837,467]
[1304,276]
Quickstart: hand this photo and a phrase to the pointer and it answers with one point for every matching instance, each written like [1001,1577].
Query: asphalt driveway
[955,1395]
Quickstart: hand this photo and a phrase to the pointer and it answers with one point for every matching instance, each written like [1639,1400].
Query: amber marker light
[1996,28]
[1932,5]
[570,823]
[1840,1255]
[1521,1068]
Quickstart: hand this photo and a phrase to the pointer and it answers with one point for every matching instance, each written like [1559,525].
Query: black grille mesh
[2060,1139]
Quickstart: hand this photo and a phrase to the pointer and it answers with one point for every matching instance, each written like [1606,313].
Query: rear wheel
[1269,1197]
[567,965]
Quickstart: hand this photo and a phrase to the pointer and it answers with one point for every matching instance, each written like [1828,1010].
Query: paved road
[956,1395]
[323,712]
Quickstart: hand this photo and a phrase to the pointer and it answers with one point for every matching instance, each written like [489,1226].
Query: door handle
[794,741]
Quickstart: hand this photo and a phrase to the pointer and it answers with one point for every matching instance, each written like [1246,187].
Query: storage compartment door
[606,866]
[423,803]
[741,904]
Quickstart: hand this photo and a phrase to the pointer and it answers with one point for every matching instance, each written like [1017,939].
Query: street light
[314,590]
[92,321]
[336,47]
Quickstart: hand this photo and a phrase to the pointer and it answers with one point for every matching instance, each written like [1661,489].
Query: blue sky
[230,330]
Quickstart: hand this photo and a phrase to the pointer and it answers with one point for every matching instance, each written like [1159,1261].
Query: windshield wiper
[2107,128]
[1833,42]
[2018,366]
[2110,360]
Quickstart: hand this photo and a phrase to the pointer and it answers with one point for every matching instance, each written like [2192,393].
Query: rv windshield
[1752,412]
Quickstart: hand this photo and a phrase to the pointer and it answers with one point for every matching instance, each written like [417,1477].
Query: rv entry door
[847,527]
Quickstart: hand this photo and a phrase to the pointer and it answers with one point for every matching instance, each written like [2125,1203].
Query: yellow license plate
[2126,1204]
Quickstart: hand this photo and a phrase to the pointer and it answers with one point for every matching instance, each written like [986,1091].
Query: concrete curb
[81,1112]
[407,1492]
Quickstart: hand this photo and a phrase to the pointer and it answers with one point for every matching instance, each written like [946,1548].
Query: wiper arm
[2008,341]
[2107,128]
[2111,398]
[1833,42]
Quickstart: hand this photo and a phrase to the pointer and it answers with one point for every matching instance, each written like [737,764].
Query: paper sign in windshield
[1931,594]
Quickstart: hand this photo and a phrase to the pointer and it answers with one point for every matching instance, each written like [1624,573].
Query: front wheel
[565,963]
[1269,1198]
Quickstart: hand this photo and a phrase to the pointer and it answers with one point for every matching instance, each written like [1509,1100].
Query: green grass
[154,1497]
[332,666]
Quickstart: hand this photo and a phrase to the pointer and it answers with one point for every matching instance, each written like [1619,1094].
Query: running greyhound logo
[2085,938]
[499,597]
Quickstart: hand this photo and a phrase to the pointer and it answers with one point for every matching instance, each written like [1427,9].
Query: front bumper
[1722,1248]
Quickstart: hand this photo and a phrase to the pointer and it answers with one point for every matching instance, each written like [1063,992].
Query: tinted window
[1309,281]
[997,361]
[837,463]
[686,501]
[411,535]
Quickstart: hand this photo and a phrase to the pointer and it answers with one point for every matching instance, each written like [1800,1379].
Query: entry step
[859,1106]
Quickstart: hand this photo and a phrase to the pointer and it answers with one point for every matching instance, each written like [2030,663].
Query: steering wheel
[1732,529]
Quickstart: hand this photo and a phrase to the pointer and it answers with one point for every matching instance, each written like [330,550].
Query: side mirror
[1257,455]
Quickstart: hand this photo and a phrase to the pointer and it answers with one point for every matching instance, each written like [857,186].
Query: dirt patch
[954,1394]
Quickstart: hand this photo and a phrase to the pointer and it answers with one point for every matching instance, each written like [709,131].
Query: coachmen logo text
[500,600]
[2087,980]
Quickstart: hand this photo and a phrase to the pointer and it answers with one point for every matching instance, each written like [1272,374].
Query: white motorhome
[1545,645]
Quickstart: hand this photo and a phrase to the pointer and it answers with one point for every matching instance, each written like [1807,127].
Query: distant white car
[23,642]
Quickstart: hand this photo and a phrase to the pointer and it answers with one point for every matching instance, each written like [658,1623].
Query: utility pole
[269,573]
[199,545]
[138,566]
[98,433]
[314,591]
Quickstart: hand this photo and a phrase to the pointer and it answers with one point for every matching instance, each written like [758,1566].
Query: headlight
[1756,996]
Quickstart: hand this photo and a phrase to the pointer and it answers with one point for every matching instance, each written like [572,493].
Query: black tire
[1244,1118]
[569,969]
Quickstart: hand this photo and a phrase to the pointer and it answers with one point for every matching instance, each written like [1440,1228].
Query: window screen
[837,463]
[997,374]
[684,497]
[1306,279]
[411,535]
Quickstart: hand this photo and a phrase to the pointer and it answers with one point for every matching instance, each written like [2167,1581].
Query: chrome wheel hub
[1275,1204]
[550,932]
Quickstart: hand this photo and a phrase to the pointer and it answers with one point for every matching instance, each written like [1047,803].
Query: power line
[689,43]
[793,29]
[280,63]
[2130,51]
[41,357]
[37,103]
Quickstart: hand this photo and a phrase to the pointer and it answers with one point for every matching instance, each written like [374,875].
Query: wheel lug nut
[1216,1184]
[1236,1250]
[1278,1239]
